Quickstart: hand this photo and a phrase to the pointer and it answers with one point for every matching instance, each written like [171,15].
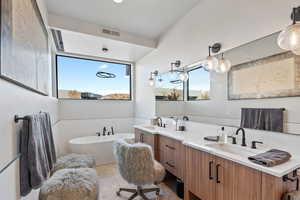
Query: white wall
[16,100]
[231,22]
[84,118]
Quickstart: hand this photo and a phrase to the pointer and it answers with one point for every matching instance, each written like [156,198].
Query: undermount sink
[235,149]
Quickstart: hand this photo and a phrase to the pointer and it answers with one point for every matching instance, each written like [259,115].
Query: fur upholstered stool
[74,161]
[71,184]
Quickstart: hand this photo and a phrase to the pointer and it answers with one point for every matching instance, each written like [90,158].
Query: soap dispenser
[223,136]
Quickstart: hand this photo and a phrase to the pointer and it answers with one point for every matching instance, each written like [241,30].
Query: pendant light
[211,61]
[289,39]
[224,65]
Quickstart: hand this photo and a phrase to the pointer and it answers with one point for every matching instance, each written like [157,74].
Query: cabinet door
[149,139]
[199,176]
[179,159]
[224,179]
[274,187]
[137,135]
[236,182]
[247,183]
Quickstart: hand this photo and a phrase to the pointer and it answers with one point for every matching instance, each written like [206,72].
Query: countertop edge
[222,155]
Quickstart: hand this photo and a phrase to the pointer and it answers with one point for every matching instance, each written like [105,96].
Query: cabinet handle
[210,170]
[173,148]
[217,173]
[170,165]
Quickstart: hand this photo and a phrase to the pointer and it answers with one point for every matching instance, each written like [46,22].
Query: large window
[92,79]
[198,84]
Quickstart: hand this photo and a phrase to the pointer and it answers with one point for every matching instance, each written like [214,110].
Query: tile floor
[110,181]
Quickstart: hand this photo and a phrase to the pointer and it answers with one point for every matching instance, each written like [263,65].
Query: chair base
[139,192]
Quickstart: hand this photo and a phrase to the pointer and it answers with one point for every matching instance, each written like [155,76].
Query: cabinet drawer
[171,155]
[168,143]
[168,162]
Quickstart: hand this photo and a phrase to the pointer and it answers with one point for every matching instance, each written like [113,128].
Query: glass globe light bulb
[151,81]
[184,76]
[211,63]
[224,66]
[289,39]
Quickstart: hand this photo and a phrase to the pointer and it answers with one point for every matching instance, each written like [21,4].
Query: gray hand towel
[262,119]
[37,152]
[49,142]
[271,158]
[37,157]
[25,186]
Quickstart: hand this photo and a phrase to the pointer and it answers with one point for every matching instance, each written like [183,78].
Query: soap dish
[212,138]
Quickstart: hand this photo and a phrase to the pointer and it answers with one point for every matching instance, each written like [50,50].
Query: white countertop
[196,141]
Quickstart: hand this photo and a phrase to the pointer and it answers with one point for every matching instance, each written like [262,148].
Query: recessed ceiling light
[118,1]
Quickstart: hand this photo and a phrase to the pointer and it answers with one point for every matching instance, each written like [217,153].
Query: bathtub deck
[110,181]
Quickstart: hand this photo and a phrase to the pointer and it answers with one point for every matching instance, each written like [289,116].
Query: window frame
[99,60]
[188,87]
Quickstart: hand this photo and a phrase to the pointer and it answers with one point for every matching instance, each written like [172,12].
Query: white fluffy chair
[71,184]
[137,166]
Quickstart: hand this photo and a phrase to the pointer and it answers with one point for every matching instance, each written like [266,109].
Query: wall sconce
[289,38]
[217,65]
[152,78]
[211,61]
[183,75]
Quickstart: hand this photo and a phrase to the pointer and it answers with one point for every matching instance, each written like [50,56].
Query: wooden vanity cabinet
[199,177]
[171,155]
[213,178]
[147,138]
[210,177]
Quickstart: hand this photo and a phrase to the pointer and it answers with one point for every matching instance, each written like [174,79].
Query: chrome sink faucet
[244,136]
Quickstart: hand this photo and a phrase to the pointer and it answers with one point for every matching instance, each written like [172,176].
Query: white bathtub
[98,146]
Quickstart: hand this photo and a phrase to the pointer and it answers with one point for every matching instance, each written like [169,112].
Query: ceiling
[89,45]
[145,18]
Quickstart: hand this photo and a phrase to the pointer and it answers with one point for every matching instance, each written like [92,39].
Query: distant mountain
[116,96]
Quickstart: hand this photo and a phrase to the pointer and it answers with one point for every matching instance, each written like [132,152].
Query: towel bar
[283,109]
[17,118]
